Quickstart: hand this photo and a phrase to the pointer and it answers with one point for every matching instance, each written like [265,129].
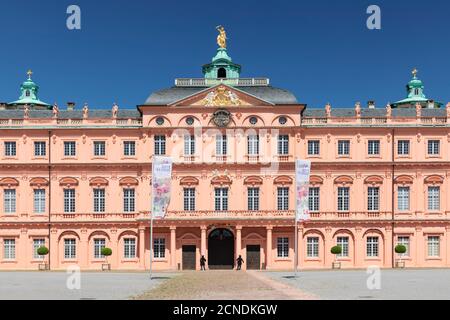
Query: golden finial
[222,37]
[415,72]
[29,73]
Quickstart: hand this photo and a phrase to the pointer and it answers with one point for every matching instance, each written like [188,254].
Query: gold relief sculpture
[221,97]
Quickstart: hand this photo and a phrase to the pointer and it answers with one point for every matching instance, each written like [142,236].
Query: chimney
[371,104]
[430,104]
[70,106]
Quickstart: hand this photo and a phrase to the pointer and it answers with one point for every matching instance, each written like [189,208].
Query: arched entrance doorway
[221,249]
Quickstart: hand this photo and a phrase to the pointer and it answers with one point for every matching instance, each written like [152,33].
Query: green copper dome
[416,95]
[29,94]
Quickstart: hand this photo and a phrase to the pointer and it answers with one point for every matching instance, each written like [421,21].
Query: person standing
[239,261]
[203,263]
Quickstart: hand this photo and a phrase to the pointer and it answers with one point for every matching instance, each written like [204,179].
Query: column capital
[141,229]
[238,228]
[173,228]
[203,228]
[269,228]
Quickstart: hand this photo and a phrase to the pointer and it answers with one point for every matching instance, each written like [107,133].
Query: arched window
[27,93]
[221,73]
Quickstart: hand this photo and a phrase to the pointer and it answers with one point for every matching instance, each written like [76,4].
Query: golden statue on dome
[222,37]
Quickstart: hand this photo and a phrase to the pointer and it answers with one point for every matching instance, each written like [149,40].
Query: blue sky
[321,50]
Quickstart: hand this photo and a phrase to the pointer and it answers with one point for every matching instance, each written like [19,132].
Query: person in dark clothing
[203,263]
[239,261]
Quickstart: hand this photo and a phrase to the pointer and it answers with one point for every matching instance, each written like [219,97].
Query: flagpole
[296,249]
[296,224]
[151,246]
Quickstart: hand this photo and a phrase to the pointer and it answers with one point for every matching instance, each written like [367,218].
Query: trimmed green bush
[42,251]
[400,249]
[336,250]
[106,252]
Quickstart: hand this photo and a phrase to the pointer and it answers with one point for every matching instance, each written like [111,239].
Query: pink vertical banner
[161,185]
[302,175]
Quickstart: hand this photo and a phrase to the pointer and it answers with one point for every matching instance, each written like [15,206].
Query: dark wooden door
[189,261]
[253,257]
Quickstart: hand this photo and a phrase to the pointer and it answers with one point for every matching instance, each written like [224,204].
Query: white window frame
[221,199]
[283,247]
[38,243]
[314,199]
[10,149]
[403,198]
[160,145]
[312,247]
[283,198]
[129,200]
[343,199]
[373,199]
[373,147]
[313,147]
[99,148]
[253,198]
[99,197]
[221,145]
[129,248]
[70,248]
[159,248]
[129,148]
[403,147]
[283,145]
[343,242]
[99,244]
[70,148]
[189,199]
[404,241]
[434,198]
[373,246]
[9,201]
[434,147]
[189,145]
[69,201]
[9,249]
[253,145]
[343,147]
[434,246]
[39,200]
[40,149]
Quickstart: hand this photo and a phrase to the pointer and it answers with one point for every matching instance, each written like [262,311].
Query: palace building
[77,181]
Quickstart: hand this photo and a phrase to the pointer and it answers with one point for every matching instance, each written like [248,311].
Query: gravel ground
[53,285]
[223,285]
[350,285]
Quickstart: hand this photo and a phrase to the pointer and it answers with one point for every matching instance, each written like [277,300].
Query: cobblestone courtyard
[228,285]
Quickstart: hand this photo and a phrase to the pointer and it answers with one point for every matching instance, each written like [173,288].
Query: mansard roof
[66,114]
[267,93]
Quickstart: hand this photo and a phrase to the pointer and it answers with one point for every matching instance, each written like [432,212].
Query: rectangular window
[374,147]
[253,145]
[372,246]
[343,199]
[99,148]
[403,198]
[10,149]
[283,198]
[9,249]
[129,148]
[129,200]
[314,199]
[70,149]
[283,247]
[189,145]
[38,243]
[69,200]
[39,201]
[253,199]
[312,247]
[403,147]
[434,198]
[343,243]
[313,147]
[159,248]
[434,246]
[373,198]
[129,248]
[404,240]
[160,145]
[283,145]
[221,145]
[40,149]
[70,249]
[10,200]
[189,199]
[99,244]
[344,147]
[99,200]
[221,199]
[433,147]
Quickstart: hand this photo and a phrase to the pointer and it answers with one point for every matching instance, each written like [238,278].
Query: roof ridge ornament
[415,72]
[29,73]
[222,37]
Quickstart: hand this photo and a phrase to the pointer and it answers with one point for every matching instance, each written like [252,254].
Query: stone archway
[221,249]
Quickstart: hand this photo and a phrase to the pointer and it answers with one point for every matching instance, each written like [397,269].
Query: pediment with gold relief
[221,96]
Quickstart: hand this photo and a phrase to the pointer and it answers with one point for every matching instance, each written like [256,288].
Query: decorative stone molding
[434,179]
[283,180]
[189,181]
[315,180]
[344,180]
[404,179]
[221,180]
[253,181]
[373,180]
[68,182]
[39,182]
[98,182]
[9,182]
[128,182]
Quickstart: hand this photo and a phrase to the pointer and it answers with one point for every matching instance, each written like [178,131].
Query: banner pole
[151,247]
[296,249]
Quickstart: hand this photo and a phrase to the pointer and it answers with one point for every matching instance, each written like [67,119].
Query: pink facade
[78,181]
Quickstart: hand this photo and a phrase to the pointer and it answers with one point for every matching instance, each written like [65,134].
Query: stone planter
[336,265]
[400,264]
[106,267]
[44,267]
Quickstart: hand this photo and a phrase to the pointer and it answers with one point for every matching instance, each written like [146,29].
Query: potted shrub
[336,250]
[43,251]
[400,250]
[106,252]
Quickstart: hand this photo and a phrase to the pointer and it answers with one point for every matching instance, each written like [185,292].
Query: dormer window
[416,92]
[221,73]
[27,93]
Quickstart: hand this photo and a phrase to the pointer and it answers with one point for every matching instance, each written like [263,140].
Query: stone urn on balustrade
[336,250]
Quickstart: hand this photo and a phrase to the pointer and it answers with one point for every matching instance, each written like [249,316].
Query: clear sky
[319,49]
